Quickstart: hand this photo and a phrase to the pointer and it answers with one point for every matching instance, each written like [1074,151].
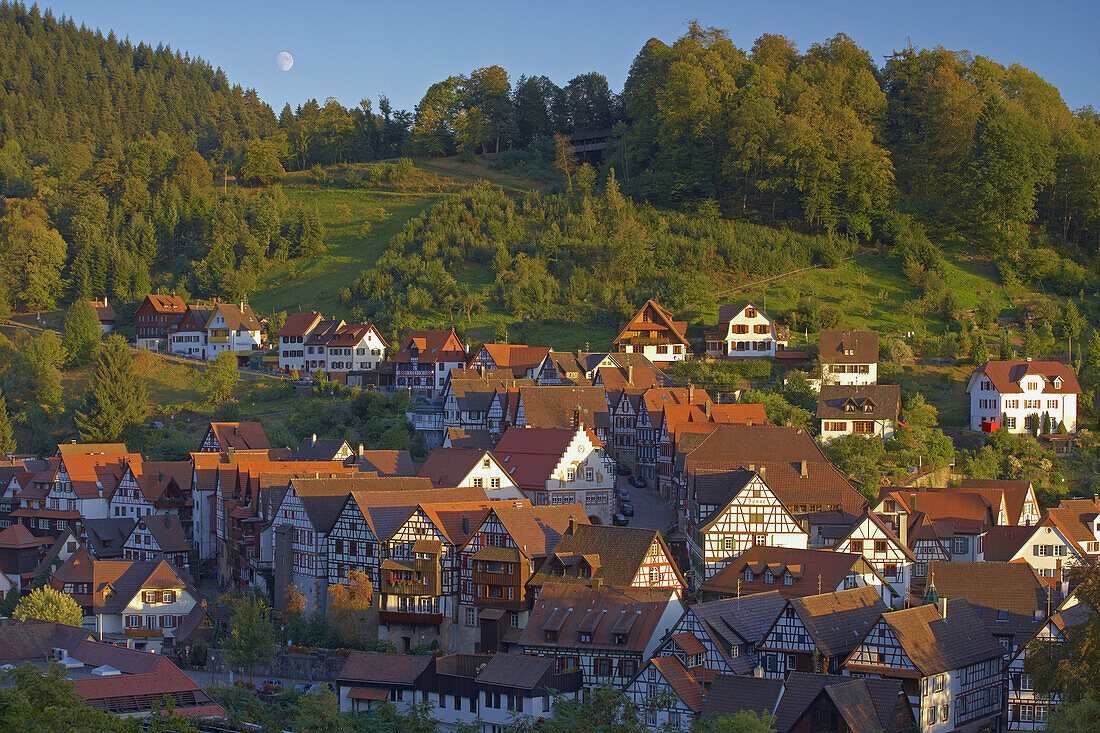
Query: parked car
[619,520]
[637,482]
[622,470]
[624,496]
[302,688]
[627,510]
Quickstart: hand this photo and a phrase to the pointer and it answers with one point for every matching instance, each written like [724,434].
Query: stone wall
[320,665]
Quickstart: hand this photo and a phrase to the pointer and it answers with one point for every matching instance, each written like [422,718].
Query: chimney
[706,408]
[572,525]
[761,471]
[691,393]
[241,306]
[630,374]
[758,671]
[804,469]
[466,526]
[943,608]
[903,530]
[313,439]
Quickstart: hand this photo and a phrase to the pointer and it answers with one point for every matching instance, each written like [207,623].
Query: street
[651,511]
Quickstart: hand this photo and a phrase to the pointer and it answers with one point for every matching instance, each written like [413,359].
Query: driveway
[651,511]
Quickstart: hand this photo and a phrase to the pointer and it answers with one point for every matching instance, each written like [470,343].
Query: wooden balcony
[144,633]
[410,617]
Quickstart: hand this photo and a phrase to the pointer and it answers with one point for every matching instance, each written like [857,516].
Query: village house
[848,357]
[950,666]
[745,332]
[125,682]
[959,517]
[817,633]
[316,345]
[425,358]
[1048,547]
[104,313]
[680,686]
[585,368]
[159,537]
[564,407]
[727,632]
[188,336]
[560,466]
[1037,397]
[237,436]
[610,556]
[496,563]
[292,339]
[886,551]
[325,449]
[649,414]
[473,469]
[794,573]
[870,410]
[1018,496]
[232,327]
[155,318]
[653,332]
[519,360]
[136,603]
[743,513]
[367,677]
[21,554]
[358,347]
[608,632]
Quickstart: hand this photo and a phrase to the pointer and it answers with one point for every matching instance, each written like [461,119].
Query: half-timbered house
[817,633]
[425,358]
[751,516]
[224,436]
[890,555]
[652,331]
[728,631]
[521,360]
[470,469]
[950,666]
[1025,708]
[159,537]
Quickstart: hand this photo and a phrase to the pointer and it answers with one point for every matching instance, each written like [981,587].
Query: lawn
[477,170]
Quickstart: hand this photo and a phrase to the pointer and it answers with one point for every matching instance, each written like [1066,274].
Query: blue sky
[351,50]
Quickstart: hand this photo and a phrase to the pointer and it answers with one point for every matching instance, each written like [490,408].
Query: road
[651,511]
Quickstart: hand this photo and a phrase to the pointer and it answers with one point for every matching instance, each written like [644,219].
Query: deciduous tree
[47,604]
[221,377]
[252,637]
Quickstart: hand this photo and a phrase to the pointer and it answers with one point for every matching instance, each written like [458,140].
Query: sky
[361,49]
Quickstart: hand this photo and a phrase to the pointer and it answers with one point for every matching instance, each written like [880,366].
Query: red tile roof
[814,571]
[240,435]
[167,304]
[18,537]
[1007,375]
[300,324]
[529,455]
[432,346]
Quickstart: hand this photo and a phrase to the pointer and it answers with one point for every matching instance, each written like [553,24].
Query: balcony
[144,633]
[217,339]
[427,418]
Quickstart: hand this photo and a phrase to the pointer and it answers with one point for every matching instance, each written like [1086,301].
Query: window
[494,483]
[863,427]
[513,617]
[149,596]
[857,546]
[471,617]
[570,474]
[788,579]
[727,543]
[836,427]
[768,577]
[960,545]
[477,483]
[169,596]
[890,571]
[880,546]
[937,683]
[748,575]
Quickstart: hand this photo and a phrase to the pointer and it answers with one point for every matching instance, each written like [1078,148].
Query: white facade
[753,517]
[1049,551]
[838,428]
[1033,408]
[582,476]
[893,561]
[191,343]
[365,355]
[749,334]
[149,618]
[220,337]
[849,374]
[292,354]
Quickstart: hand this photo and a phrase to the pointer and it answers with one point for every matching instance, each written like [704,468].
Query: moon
[284,61]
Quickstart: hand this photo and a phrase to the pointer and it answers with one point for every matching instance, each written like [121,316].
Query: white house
[870,410]
[848,357]
[653,333]
[232,327]
[292,338]
[188,337]
[1023,397]
[745,332]
[560,466]
[356,347]
[752,516]
[470,469]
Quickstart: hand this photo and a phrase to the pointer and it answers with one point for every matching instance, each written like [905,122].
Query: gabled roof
[516,357]
[614,610]
[1013,587]
[239,435]
[466,439]
[18,537]
[1006,376]
[554,406]
[324,332]
[813,570]
[323,510]
[431,347]
[866,704]
[134,577]
[167,530]
[1077,517]
[536,530]
[387,462]
[729,311]
[848,347]
[739,621]
[838,621]
[687,684]
[788,458]
[730,694]
[516,670]
[1004,541]
[1015,493]
[167,304]
[448,466]
[952,512]
[237,316]
[103,311]
[457,520]
[384,669]
[529,455]
[660,320]
[33,639]
[936,644]
[621,552]
[300,324]
[324,449]
[859,402]
[93,468]
[106,536]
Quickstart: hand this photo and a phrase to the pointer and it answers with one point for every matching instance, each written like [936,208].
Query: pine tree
[116,398]
[1072,323]
[7,436]
[82,332]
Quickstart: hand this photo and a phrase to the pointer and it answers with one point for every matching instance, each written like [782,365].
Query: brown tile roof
[387,462]
[618,378]
[1015,493]
[89,466]
[324,332]
[1004,541]
[448,466]
[516,670]
[529,455]
[834,345]
[385,511]
[1077,516]
[794,467]
[866,704]
[167,530]
[684,683]
[33,639]
[452,516]
[689,643]
[300,324]
[866,402]
[135,577]
[17,537]
[351,334]
[384,669]
[662,321]
[621,552]
[963,512]
[564,607]
[169,304]
[814,570]
[464,439]
[238,316]
[935,644]
[743,620]
[323,510]
[536,530]
[106,536]
[553,406]
[1014,587]
[730,694]
[103,311]
[240,435]
[1006,376]
[516,357]
[838,621]
[433,346]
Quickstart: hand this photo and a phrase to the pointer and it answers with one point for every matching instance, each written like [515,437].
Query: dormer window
[586,637]
[768,577]
[748,575]
[552,637]
[620,639]
[788,579]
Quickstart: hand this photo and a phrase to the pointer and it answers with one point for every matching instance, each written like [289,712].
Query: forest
[113,151]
